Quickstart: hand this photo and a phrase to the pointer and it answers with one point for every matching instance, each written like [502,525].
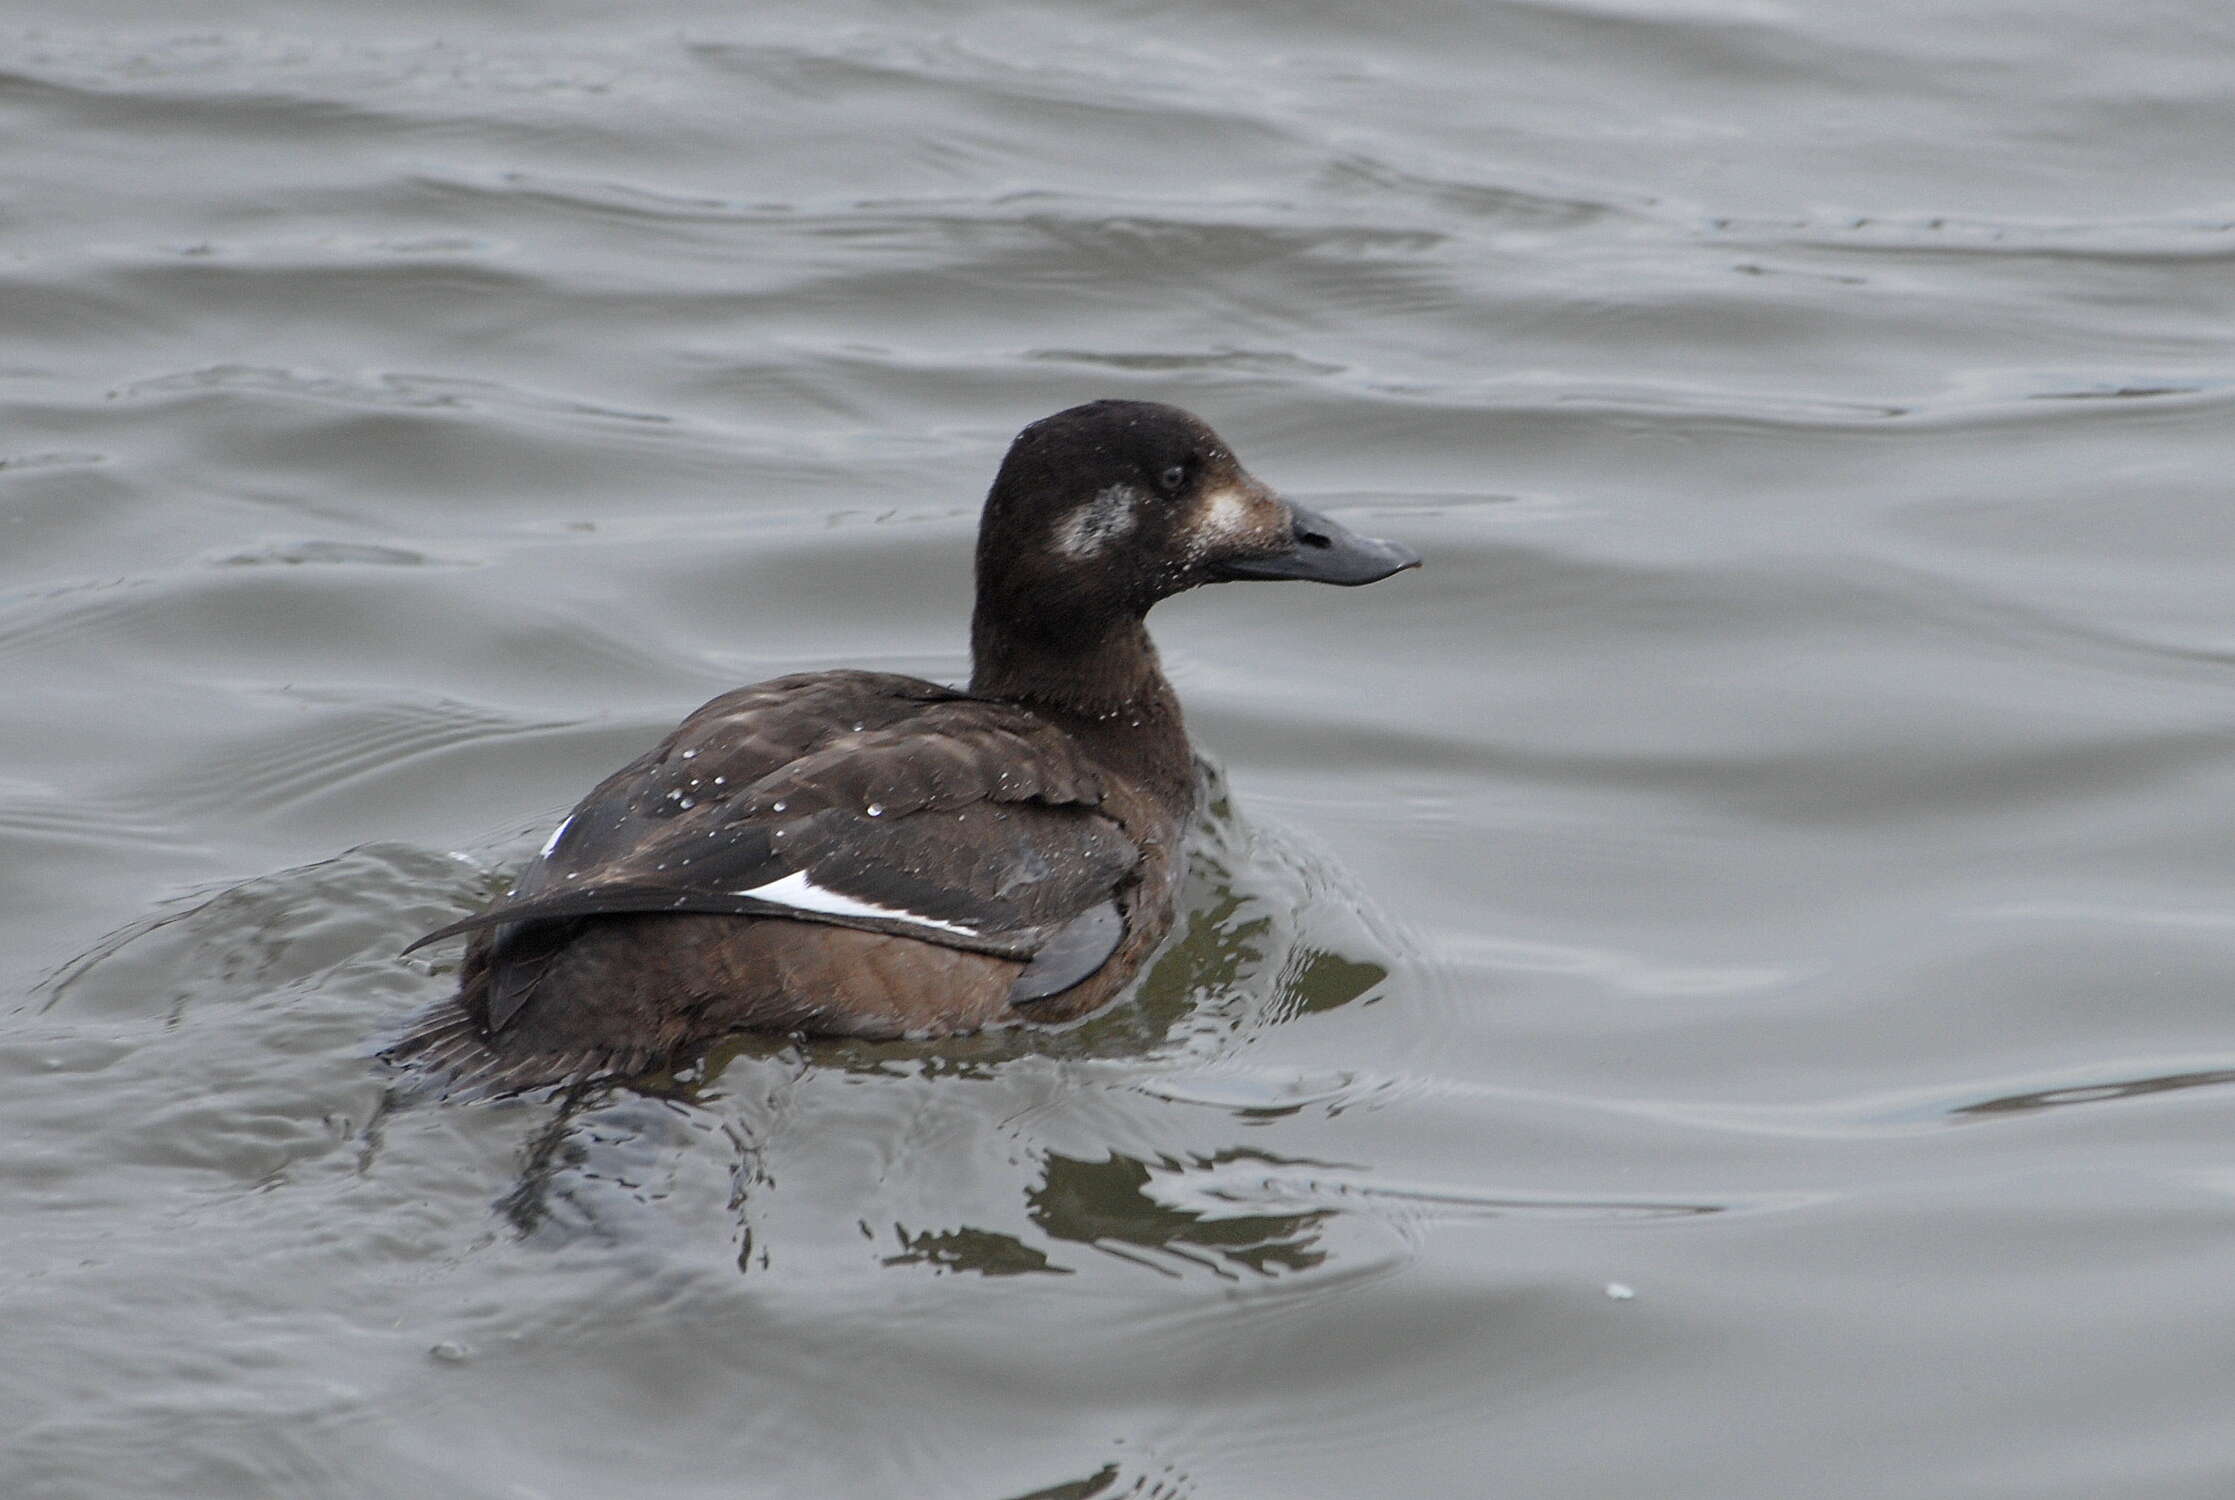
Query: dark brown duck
[866,854]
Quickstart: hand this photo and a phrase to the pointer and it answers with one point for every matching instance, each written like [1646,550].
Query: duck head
[1100,511]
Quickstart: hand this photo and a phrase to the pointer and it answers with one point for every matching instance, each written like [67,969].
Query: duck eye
[1173,478]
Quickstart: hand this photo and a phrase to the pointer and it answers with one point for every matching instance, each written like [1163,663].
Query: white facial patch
[1109,517]
[801,894]
[1224,516]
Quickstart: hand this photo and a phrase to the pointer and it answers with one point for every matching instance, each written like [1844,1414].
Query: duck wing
[856,799]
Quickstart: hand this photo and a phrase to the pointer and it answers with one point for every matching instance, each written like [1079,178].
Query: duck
[866,854]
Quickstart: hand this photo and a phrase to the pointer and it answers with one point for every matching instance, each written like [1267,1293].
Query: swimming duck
[866,854]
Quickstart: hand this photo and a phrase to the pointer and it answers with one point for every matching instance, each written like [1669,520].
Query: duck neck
[1106,687]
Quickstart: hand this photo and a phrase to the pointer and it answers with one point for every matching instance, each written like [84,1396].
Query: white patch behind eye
[1109,517]
[798,892]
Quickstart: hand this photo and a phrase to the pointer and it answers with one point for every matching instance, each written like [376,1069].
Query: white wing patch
[1108,517]
[801,894]
[557,834]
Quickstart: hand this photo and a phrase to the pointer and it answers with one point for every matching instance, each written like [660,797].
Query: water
[1718,986]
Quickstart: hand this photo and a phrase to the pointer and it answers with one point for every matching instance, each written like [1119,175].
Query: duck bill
[1323,551]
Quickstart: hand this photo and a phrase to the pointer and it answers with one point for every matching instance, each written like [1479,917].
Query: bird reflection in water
[1109,1206]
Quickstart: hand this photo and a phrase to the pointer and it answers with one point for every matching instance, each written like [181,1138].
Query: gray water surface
[1721,985]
